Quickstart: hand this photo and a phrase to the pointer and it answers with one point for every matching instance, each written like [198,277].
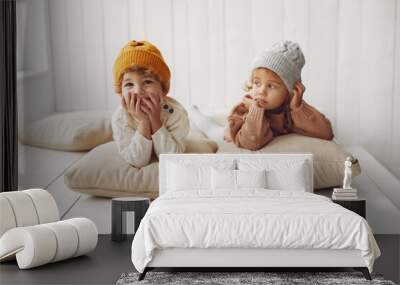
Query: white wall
[36,97]
[352,50]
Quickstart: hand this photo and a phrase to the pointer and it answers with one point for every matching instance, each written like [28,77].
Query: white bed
[247,227]
[192,224]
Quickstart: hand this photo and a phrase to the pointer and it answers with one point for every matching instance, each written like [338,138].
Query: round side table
[138,205]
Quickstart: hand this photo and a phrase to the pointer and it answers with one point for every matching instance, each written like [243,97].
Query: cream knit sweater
[138,150]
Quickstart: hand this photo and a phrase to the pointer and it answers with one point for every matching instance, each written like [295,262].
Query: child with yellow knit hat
[147,119]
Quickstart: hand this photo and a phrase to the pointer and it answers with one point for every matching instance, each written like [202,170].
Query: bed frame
[242,259]
[246,259]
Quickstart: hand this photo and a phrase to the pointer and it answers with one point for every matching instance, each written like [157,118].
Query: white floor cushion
[45,205]
[66,236]
[30,230]
[40,244]
[7,216]
[27,208]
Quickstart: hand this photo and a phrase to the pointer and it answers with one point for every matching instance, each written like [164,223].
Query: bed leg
[364,271]
[142,275]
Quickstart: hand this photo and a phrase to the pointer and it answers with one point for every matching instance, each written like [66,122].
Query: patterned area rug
[275,278]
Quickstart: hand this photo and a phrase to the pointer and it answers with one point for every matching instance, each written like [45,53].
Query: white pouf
[27,208]
[31,232]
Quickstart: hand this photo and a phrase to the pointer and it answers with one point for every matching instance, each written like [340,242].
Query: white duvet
[250,219]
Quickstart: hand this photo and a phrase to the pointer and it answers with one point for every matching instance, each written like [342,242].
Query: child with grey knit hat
[273,105]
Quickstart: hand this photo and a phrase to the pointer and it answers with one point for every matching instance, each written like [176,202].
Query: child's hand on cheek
[140,112]
[132,105]
[152,109]
[126,103]
[297,97]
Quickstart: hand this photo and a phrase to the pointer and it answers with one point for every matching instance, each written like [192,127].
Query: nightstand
[358,206]
[122,205]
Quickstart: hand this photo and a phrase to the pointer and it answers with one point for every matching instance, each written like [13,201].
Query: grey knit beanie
[286,59]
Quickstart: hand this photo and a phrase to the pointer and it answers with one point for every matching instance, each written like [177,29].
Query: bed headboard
[234,159]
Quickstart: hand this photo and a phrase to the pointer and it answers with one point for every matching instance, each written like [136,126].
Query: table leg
[116,222]
[140,211]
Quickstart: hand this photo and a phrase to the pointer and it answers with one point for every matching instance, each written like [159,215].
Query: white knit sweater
[136,149]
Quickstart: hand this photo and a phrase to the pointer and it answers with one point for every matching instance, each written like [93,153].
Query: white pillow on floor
[71,131]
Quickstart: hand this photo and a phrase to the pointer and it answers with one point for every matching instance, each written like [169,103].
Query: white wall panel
[267,19]
[181,76]
[321,82]
[296,28]
[34,36]
[136,19]
[216,46]
[352,71]
[159,30]
[159,27]
[60,59]
[199,53]
[35,90]
[77,55]
[376,86]
[395,140]
[238,48]
[94,55]
[348,72]
[116,34]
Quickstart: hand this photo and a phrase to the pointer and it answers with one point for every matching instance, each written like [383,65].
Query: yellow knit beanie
[142,54]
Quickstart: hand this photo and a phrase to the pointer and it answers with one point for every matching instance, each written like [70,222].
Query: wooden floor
[110,259]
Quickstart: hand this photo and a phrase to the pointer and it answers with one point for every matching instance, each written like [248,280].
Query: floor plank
[39,167]
[96,209]
[65,197]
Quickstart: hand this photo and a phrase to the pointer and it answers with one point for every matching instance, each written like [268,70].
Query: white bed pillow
[181,177]
[293,178]
[251,178]
[281,174]
[228,179]
[223,179]
[184,175]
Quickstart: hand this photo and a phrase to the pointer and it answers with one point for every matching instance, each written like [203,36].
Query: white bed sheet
[252,218]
